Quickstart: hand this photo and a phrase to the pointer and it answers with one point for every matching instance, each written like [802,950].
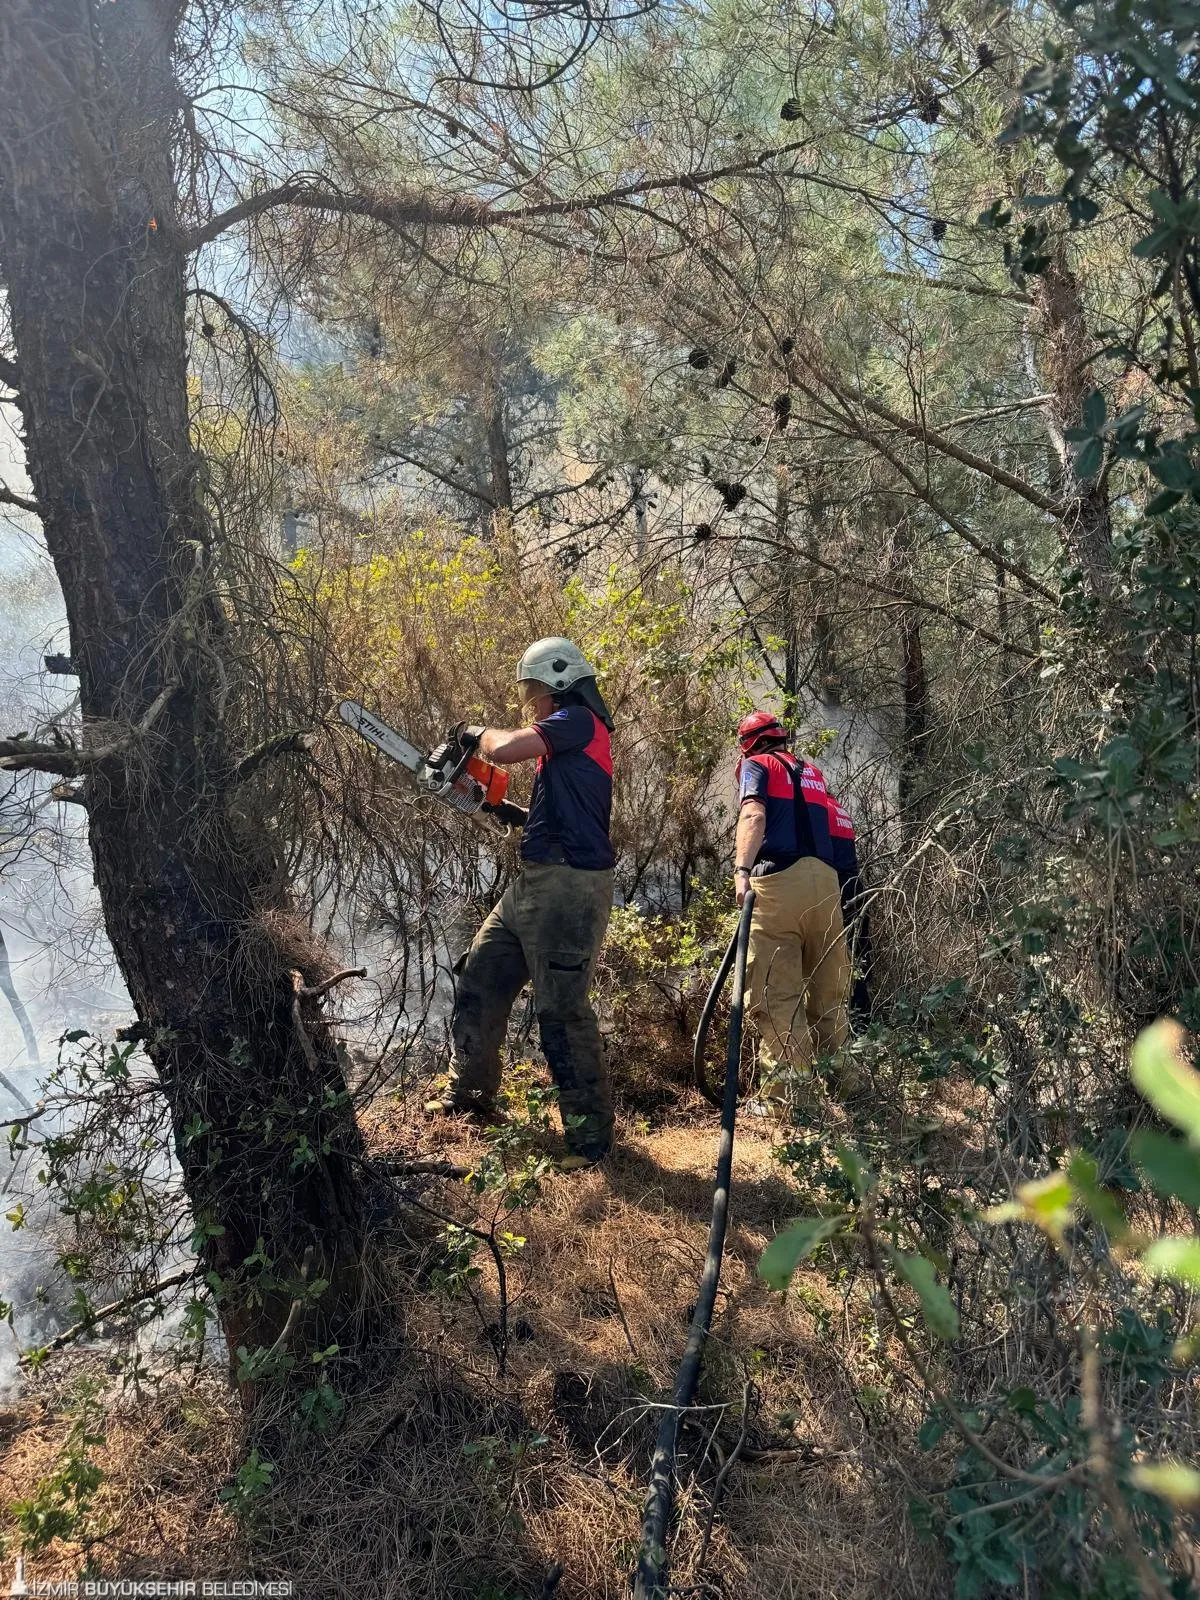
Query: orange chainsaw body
[493,781]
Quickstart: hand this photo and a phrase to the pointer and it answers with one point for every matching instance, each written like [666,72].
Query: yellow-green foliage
[430,629]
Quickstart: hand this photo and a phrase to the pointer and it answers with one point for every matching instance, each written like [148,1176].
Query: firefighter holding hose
[550,923]
[796,844]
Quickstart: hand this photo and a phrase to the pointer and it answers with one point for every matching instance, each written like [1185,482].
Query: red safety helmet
[759,730]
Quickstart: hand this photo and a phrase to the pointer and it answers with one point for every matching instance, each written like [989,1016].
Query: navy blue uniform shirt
[793,831]
[571,804]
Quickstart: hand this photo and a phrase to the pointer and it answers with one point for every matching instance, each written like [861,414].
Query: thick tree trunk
[788,620]
[93,265]
[499,466]
[914,686]
[1063,365]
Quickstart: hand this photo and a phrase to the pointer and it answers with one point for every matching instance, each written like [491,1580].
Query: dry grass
[450,1482]
[459,1501]
[166,1452]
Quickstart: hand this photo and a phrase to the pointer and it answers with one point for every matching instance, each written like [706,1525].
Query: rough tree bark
[500,484]
[499,469]
[92,256]
[1062,365]
[914,683]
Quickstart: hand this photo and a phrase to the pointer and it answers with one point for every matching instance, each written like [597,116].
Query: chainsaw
[450,773]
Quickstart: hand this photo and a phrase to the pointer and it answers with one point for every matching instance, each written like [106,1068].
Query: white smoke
[61,963]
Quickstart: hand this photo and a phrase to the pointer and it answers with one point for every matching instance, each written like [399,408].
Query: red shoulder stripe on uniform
[599,746]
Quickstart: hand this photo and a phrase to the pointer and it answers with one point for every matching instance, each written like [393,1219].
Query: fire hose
[650,1574]
[711,1092]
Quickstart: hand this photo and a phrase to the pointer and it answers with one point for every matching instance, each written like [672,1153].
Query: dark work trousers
[549,926]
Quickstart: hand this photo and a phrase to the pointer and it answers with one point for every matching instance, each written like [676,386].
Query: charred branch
[295,739]
[10,497]
[23,755]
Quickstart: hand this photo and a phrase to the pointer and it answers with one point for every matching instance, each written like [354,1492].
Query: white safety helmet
[558,667]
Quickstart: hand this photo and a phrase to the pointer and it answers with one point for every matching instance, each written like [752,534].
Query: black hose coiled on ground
[650,1575]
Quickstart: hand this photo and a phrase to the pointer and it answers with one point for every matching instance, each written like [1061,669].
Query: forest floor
[451,1479]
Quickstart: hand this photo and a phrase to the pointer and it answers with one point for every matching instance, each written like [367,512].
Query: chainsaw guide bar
[472,787]
[381,736]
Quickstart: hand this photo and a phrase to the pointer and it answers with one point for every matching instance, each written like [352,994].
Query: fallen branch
[382,1432]
[808,1455]
[114,1309]
[633,1349]
[748,1397]
[415,1169]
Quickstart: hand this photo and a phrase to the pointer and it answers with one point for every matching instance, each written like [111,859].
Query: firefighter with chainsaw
[795,847]
[550,923]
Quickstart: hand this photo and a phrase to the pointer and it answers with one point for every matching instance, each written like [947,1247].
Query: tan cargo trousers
[798,968]
[549,926]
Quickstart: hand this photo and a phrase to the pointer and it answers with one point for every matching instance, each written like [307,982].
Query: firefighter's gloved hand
[508,813]
[455,748]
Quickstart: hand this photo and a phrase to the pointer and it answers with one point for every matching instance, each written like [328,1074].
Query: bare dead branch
[873,586]
[317,990]
[302,1038]
[10,497]
[114,1309]
[280,744]
[851,393]
[69,761]
[393,211]
[421,1169]
[980,289]
[27,755]
[997,557]
[407,210]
